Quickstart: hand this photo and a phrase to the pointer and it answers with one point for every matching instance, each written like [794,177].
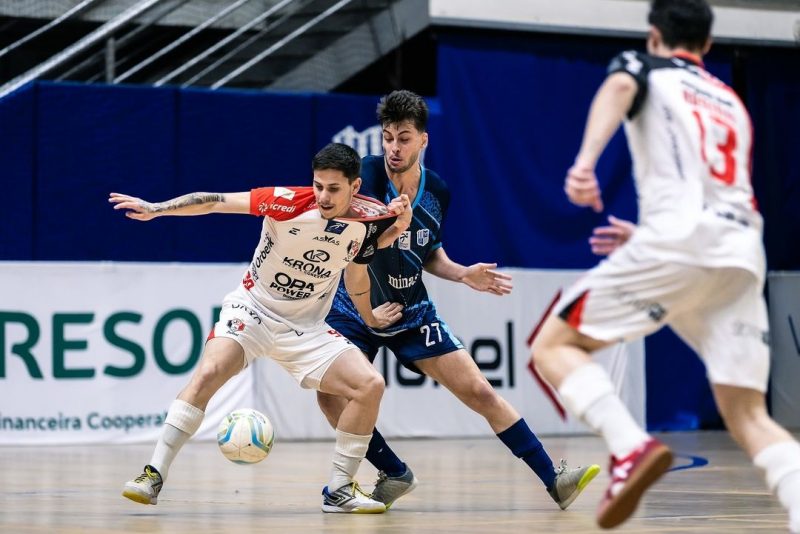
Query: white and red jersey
[691,140]
[297,264]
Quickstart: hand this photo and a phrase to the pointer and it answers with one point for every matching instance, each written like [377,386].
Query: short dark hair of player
[338,157]
[401,106]
[685,23]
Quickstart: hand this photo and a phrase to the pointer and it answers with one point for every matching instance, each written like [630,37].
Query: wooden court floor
[466,486]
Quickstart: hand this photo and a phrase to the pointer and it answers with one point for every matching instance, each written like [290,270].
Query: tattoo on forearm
[188,200]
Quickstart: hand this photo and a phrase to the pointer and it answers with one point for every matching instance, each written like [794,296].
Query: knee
[483,394]
[209,377]
[372,387]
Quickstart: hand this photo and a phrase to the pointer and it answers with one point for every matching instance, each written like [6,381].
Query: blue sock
[524,444]
[382,457]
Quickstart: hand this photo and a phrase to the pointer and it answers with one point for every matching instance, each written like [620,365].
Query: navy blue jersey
[396,271]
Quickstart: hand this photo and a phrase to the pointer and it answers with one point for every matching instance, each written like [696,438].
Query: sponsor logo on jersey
[423,236]
[654,310]
[352,250]
[235,326]
[741,329]
[316,256]
[250,312]
[279,207]
[335,227]
[248,281]
[292,288]
[632,63]
[404,241]
[402,282]
[311,269]
[327,239]
[282,192]
[264,208]
[262,254]
[295,231]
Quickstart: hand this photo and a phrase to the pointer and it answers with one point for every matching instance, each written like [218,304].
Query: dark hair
[400,106]
[338,157]
[682,22]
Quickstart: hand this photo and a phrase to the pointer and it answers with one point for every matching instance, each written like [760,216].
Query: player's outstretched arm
[191,204]
[400,206]
[480,276]
[357,284]
[607,239]
[610,105]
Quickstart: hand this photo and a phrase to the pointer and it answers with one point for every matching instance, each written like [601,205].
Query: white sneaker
[349,499]
[145,488]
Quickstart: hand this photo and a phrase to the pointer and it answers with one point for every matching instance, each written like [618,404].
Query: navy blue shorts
[431,338]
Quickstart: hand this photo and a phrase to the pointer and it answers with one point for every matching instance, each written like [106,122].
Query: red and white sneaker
[630,477]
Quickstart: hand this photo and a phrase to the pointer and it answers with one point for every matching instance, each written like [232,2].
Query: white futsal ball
[245,436]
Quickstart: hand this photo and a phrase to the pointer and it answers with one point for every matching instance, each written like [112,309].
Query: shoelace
[144,476]
[357,488]
[562,467]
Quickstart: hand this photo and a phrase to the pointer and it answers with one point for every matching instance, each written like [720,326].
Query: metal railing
[86,42]
[228,41]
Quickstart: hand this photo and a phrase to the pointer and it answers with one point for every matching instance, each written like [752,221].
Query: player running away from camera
[695,261]
[418,337]
[279,308]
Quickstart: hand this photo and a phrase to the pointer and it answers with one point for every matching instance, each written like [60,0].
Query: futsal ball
[245,436]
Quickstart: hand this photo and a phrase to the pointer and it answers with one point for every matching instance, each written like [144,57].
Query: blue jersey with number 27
[396,271]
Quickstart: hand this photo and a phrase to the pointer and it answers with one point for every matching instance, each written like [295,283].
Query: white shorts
[306,355]
[719,312]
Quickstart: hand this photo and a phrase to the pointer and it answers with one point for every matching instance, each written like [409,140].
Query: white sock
[182,422]
[350,450]
[589,394]
[781,461]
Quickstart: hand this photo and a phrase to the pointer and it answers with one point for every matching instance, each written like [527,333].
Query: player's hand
[401,206]
[582,188]
[386,315]
[607,239]
[483,277]
[138,208]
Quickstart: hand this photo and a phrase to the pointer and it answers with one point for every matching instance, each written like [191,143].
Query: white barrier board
[95,352]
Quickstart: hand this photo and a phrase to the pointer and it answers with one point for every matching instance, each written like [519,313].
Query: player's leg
[562,356]
[352,378]
[379,454]
[222,359]
[623,298]
[458,372]
[768,444]
[395,478]
[732,339]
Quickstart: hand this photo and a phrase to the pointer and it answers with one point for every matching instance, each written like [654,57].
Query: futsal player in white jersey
[695,262]
[310,236]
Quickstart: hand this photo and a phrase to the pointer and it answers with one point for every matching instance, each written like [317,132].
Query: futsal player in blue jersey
[418,337]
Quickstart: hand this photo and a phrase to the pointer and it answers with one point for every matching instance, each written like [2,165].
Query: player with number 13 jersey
[696,203]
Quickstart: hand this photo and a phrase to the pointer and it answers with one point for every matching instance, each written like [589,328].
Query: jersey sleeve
[374,229]
[444,202]
[638,66]
[279,203]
